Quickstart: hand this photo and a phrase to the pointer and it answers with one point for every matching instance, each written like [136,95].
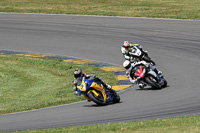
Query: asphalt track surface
[173,44]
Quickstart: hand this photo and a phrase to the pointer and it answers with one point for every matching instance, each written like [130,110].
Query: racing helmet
[127,64]
[78,73]
[126,44]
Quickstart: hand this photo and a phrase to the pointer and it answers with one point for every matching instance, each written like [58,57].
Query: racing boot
[141,85]
[153,67]
[89,100]
[160,72]
[108,87]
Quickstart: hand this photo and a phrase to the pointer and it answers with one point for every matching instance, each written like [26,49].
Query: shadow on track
[95,105]
[151,88]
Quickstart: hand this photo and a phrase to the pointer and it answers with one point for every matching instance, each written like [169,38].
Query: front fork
[159,79]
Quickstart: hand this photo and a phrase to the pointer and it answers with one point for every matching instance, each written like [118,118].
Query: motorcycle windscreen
[81,85]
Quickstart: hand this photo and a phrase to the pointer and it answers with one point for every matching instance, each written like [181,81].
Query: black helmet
[78,73]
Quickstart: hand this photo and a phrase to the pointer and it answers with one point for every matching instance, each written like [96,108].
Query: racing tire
[152,82]
[148,59]
[116,98]
[98,100]
[165,83]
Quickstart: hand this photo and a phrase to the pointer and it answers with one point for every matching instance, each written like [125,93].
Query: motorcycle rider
[130,72]
[78,74]
[131,68]
[127,50]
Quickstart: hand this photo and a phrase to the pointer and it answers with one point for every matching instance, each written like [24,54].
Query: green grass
[171,125]
[30,83]
[176,9]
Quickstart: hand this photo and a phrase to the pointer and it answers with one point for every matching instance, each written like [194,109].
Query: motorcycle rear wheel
[165,83]
[148,59]
[116,98]
[98,100]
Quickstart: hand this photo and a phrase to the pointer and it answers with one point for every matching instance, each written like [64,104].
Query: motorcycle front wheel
[99,100]
[152,82]
[164,83]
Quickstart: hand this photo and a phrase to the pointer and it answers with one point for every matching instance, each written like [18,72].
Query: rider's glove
[74,87]
[137,80]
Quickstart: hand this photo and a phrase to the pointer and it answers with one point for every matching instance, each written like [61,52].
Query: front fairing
[83,85]
[140,71]
[96,86]
[136,51]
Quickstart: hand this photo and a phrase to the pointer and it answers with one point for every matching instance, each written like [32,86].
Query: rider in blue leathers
[77,76]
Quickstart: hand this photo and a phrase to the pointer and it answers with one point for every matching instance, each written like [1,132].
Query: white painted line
[43,108]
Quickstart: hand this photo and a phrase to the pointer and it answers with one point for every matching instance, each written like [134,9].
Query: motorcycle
[147,76]
[94,91]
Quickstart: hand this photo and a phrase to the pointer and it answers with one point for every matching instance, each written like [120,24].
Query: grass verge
[30,83]
[176,9]
[171,125]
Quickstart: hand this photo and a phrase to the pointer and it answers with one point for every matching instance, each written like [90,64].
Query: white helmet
[127,64]
[126,44]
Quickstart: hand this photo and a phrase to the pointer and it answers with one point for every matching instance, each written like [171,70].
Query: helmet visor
[77,75]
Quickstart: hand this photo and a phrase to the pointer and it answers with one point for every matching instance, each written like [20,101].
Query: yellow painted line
[80,61]
[120,87]
[35,55]
[113,68]
[121,77]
